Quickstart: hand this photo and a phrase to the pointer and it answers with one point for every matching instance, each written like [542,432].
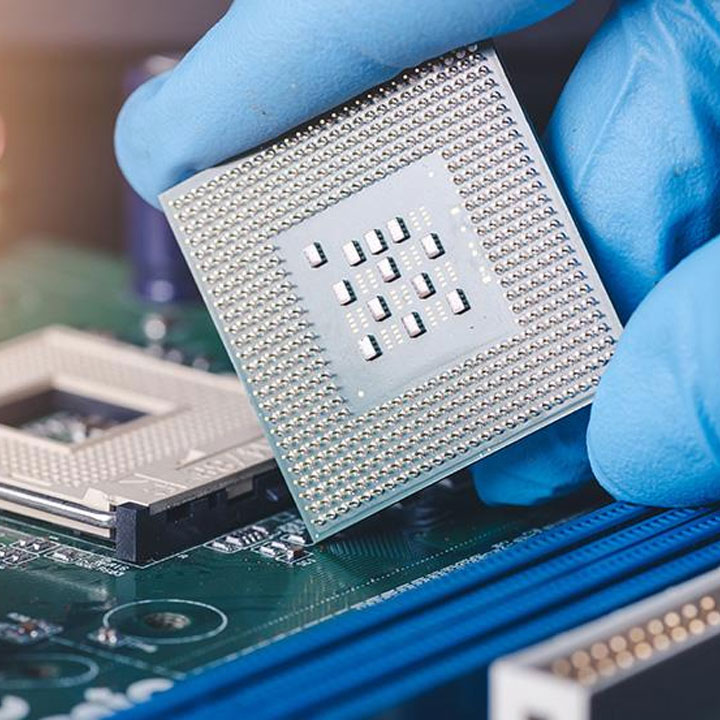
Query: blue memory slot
[341,631]
[477,657]
[447,628]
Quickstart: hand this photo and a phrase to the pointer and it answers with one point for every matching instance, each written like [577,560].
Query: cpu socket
[100,437]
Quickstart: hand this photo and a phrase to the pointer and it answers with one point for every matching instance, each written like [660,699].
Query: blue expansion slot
[478,657]
[448,627]
[380,650]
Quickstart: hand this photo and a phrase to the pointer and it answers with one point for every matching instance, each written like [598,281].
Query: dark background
[62,66]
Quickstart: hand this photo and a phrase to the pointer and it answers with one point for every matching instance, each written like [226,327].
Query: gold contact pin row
[639,643]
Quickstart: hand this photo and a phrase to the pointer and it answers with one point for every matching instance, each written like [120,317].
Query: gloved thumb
[266,67]
[654,434]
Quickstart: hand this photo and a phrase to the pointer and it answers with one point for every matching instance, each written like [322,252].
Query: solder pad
[400,286]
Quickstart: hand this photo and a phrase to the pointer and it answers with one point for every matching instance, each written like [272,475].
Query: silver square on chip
[388,269]
[379,308]
[423,286]
[375,241]
[369,347]
[432,246]
[353,253]
[413,324]
[315,255]
[344,292]
[457,299]
[446,148]
[398,230]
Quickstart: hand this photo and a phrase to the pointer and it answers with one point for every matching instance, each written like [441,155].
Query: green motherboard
[82,632]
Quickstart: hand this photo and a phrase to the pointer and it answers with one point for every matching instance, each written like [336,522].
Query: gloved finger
[547,464]
[635,140]
[654,434]
[266,67]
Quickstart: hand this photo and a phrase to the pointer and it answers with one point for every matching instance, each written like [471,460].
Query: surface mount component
[98,436]
[655,659]
[431,193]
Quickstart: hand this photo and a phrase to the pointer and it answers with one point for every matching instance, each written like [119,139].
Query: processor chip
[100,437]
[400,286]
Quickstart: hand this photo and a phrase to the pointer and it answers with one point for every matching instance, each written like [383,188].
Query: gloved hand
[635,140]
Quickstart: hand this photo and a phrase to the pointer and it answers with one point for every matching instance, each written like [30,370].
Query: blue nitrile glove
[634,140]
